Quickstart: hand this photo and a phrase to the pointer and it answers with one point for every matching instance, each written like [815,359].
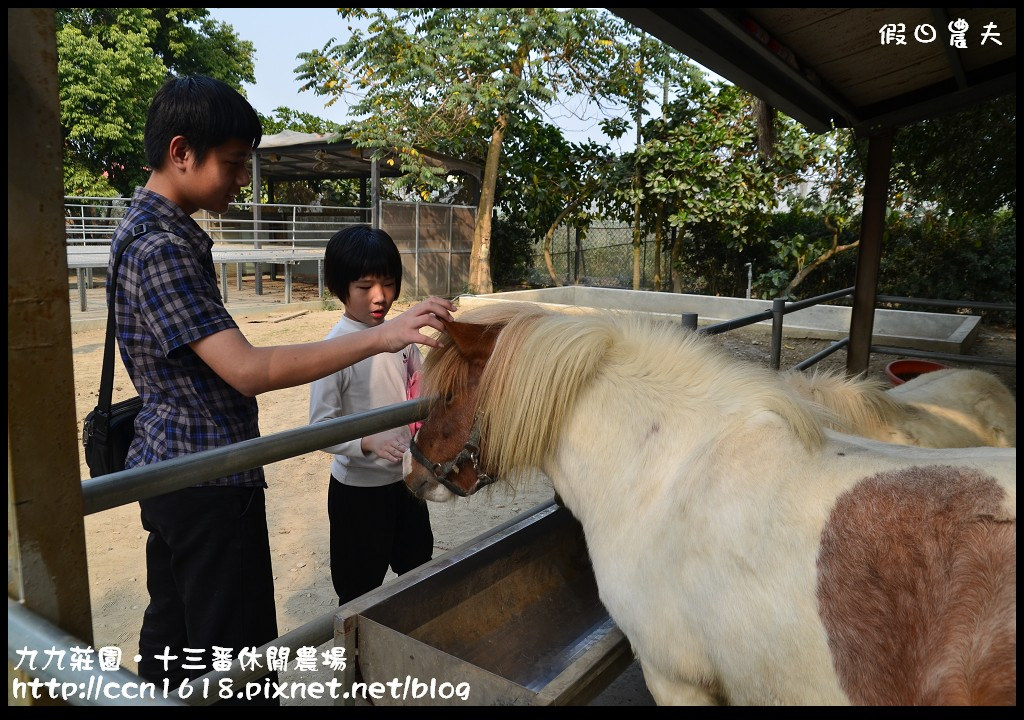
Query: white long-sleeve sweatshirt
[379,380]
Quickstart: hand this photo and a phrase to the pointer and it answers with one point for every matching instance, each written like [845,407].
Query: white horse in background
[941,409]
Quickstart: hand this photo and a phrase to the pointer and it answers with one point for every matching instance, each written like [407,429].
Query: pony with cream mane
[750,555]
[945,408]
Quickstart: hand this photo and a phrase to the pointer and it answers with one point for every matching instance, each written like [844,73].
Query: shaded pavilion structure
[290,156]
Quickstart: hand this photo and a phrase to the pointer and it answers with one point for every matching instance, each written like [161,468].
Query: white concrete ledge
[940,332]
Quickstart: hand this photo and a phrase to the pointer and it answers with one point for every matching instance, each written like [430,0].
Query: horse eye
[448,398]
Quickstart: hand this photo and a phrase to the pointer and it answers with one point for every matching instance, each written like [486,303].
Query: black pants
[209,578]
[374,528]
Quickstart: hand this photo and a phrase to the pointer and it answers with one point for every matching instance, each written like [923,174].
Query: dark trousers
[209,578]
[374,528]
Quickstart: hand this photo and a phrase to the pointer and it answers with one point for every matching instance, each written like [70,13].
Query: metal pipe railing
[121,488]
[817,299]
[104,214]
[935,355]
[821,355]
[736,323]
[1012,307]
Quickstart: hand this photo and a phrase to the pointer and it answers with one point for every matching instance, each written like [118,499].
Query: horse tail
[529,386]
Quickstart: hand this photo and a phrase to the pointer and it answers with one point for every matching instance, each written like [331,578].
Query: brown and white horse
[749,555]
[946,408]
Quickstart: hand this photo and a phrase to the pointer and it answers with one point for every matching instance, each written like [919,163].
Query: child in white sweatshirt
[375,521]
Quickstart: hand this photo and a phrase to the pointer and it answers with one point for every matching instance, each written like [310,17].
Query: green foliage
[440,77]
[960,258]
[544,174]
[511,252]
[110,62]
[285,118]
[711,263]
[461,80]
[327,303]
[699,163]
[962,163]
[793,236]
[954,172]
[964,258]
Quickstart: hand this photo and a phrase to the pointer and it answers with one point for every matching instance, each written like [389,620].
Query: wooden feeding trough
[513,613]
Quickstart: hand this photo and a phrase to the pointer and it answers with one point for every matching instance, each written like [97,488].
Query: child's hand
[405,329]
[389,445]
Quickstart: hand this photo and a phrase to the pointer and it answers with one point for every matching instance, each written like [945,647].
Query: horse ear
[473,340]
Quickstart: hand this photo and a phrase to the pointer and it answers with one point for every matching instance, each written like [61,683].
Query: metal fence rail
[433,239]
[92,220]
[121,488]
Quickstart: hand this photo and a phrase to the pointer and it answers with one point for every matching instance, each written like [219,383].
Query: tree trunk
[549,236]
[658,236]
[480,255]
[677,250]
[820,260]
[636,174]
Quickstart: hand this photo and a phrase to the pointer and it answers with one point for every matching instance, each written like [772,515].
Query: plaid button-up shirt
[166,298]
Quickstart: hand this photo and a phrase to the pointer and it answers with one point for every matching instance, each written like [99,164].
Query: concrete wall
[940,332]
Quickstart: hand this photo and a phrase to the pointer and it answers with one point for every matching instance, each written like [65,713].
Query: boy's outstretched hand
[403,330]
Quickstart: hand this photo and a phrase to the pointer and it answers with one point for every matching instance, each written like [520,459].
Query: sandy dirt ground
[297,494]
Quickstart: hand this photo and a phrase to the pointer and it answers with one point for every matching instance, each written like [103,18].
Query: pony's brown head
[444,458]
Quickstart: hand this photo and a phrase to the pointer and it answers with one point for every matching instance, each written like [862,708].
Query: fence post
[778,310]
[375,194]
[568,276]
[690,321]
[451,220]
[257,214]
[417,225]
[576,260]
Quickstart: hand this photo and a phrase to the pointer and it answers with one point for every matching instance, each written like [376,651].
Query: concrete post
[46,558]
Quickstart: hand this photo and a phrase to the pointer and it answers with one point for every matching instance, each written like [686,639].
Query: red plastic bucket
[899,371]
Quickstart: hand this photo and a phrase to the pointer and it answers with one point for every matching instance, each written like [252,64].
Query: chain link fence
[601,257]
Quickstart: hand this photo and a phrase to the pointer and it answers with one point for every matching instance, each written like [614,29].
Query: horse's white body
[704,542]
[946,408]
[704,506]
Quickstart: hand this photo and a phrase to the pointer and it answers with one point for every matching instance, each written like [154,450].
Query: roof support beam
[714,40]
[869,251]
[952,56]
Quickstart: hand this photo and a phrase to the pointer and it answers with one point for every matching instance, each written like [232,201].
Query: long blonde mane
[543,360]
[445,370]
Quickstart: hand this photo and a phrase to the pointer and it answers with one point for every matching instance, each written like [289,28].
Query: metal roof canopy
[290,155]
[828,67]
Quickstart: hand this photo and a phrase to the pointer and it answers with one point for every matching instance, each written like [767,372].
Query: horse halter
[443,472]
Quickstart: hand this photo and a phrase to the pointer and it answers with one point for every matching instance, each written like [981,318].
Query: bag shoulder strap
[107,376]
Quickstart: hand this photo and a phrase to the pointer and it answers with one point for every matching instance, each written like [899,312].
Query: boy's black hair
[207,112]
[360,251]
